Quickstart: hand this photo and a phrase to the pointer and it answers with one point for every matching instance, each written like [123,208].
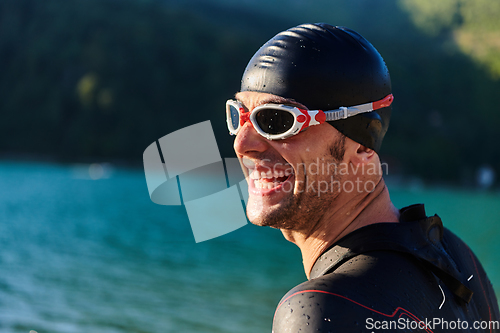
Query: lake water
[84,255]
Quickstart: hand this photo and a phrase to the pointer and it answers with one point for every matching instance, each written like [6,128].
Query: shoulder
[376,286]
[484,299]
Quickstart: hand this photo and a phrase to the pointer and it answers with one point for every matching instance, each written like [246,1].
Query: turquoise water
[83,255]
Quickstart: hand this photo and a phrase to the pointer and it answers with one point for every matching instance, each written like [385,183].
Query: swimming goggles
[278,121]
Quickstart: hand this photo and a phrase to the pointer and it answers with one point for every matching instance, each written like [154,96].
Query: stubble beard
[298,211]
[301,210]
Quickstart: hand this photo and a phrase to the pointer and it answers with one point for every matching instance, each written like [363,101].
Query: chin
[297,212]
[266,222]
[273,220]
[284,216]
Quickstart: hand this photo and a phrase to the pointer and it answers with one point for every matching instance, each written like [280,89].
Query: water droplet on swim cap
[325,67]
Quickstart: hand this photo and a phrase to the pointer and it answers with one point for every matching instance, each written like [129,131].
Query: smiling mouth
[269,180]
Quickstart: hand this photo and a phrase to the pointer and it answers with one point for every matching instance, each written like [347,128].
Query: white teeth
[253,174]
[265,185]
[256,175]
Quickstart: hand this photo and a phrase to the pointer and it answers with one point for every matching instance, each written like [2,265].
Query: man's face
[291,182]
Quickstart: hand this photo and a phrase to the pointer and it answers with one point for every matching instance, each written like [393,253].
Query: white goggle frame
[302,118]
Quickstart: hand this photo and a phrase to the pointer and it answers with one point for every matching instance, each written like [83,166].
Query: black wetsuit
[413,276]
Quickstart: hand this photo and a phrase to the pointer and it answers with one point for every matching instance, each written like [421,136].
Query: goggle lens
[234,116]
[274,121]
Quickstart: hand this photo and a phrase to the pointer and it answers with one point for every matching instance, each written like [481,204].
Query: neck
[351,213]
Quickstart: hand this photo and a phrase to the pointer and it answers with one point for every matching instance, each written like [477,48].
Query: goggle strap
[333,115]
[343,112]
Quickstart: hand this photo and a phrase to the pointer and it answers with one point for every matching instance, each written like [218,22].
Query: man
[314,106]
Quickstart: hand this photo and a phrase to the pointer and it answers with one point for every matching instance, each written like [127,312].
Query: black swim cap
[325,67]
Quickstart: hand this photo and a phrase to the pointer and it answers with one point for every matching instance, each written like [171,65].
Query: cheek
[300,146]
[286,147]
[308,147]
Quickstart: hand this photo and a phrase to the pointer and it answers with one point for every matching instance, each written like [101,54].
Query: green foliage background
[86,80]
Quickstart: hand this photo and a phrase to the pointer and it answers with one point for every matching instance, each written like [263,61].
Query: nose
[249,142]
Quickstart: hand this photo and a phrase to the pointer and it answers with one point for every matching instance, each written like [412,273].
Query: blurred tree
[473,25]
[102,79]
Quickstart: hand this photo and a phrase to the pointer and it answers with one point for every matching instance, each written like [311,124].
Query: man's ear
[363,155]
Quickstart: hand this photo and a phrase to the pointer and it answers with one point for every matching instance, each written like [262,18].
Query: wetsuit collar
[335,255]
[416,235]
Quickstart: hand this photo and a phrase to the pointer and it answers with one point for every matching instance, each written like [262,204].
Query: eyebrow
[277,100]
